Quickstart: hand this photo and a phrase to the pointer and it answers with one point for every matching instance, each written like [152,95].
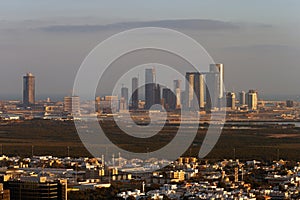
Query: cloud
[189,24]
[263,48]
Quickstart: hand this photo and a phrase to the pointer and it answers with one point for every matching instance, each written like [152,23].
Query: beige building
[72,105]
[252,98]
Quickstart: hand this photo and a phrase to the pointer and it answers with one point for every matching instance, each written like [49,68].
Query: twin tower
[205,89]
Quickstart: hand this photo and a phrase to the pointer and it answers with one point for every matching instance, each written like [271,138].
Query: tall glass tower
[28,89]
[195,90]
[135,93]
[219,68]
[150,88]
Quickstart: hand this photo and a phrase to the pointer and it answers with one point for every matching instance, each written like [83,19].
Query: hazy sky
[258,41]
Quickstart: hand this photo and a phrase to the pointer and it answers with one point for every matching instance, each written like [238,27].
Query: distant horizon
[60,97]
[51,39]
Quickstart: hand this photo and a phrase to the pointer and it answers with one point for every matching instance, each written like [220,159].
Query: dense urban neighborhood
[186,178]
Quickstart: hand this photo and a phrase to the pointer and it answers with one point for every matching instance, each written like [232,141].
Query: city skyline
[29,85]
[258,49]
[241,96]
[149,99]
[203,92]
[190,98]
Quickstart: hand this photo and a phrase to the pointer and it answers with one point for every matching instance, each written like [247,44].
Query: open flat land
[54,137]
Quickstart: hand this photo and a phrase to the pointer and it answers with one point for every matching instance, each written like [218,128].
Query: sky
[258,41]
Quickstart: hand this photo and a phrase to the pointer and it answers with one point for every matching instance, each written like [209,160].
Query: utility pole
[102,159]
[76,174]
[113,160]
[233,153]
[32,149]
[148,157]
[242,173]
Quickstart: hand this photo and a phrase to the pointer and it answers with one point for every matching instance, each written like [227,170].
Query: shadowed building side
[28,90]
[194,90]
[135,93]
[150,88]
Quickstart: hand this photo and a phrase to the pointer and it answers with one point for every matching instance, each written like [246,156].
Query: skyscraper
[201,90]
[230,100]
[135,93]
[215,86]
[212,90]
[177,92]
[150,88]
[189,89]
[194,90]
[28,89]
[157,94]
[242,98]
[124,97]
[219,68]
[252,98]
[169,99]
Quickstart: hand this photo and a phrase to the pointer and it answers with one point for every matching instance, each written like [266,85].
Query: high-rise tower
[177,92]
[124,97]
[169,99]
[252,98]
[201,90]
[135,93]
[194,90]
[28,89]
[242,98]
[215,87]
[212,92]
[150,88]
[219,68]
[230,100]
